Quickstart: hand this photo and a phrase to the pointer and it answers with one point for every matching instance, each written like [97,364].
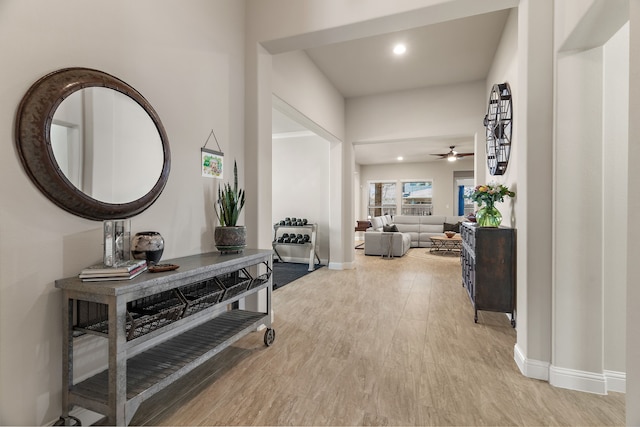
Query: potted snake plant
[228,236]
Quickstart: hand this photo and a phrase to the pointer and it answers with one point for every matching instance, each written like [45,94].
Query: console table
[489,268]
[160,326]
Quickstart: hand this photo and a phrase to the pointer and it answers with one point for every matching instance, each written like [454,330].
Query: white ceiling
[456,51]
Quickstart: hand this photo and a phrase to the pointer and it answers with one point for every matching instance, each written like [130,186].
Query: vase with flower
[486,197]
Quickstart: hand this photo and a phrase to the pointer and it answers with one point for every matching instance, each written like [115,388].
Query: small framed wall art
[212,163]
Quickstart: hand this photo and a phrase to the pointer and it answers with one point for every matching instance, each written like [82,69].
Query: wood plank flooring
[391,342]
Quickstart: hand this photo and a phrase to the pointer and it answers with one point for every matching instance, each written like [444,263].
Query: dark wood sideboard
[488,261]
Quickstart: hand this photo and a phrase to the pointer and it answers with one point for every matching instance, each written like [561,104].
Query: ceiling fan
[453,155]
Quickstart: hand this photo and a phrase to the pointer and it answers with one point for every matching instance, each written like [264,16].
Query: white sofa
[413,232]
[385,243]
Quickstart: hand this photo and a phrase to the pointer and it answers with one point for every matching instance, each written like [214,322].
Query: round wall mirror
[92,144]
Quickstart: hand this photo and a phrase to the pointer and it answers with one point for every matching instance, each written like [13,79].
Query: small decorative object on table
[486,196]
[228,237]
[148,245]
[158,268]
[449,234]
[117,235]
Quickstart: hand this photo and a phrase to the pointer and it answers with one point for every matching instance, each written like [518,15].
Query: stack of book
[123,271]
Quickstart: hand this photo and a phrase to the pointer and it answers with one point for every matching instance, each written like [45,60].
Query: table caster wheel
[269,337]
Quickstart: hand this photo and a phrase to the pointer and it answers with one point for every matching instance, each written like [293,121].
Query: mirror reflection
[106,145]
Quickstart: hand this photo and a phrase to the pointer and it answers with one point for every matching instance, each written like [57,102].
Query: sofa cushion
[390,228]
[433,219]
[407,228]
[406,219]
[431,228]
[376,223]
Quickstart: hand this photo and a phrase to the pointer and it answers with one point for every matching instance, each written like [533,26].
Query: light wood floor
[391,342]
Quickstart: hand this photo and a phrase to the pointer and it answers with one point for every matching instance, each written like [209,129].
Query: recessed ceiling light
[399,49]
[400,158]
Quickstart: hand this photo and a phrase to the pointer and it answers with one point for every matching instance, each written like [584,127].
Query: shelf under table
[151,370]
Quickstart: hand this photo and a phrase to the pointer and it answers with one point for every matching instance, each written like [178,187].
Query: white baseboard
[337,266]
[573,379]
[616,381]
[531,368]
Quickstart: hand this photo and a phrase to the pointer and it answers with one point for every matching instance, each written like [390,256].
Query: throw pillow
[451,227]
[390,228]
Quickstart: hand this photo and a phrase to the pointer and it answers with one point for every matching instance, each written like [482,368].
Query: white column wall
[578,201]
[615,147]
[591,136]
[533,116]
[633,232]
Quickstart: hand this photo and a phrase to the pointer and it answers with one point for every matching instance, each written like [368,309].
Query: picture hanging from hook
[211,161]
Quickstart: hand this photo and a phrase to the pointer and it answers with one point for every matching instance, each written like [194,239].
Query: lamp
[451,157]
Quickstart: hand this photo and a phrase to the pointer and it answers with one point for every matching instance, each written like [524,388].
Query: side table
[362,226]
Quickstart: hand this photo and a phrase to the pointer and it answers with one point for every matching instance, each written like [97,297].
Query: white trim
[298,134]
[340,266]
[348,265]
[578,380]
[531,368]
[616,381]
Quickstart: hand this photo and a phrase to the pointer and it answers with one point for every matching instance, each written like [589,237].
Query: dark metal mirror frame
[33,140]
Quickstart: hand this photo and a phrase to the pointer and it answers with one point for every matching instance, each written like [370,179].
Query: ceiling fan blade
[464,154]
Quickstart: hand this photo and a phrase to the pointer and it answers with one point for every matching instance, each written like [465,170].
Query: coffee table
[446,244]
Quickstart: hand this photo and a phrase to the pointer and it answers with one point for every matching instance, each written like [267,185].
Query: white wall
[454,110]
[304,94]
[505,69]
[440,172]
[633,237]
[299,83]
[615,177]
[188,61]
[301,176]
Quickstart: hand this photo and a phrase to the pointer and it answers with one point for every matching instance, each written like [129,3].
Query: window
[469,207]
[382,198]
[417,198]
